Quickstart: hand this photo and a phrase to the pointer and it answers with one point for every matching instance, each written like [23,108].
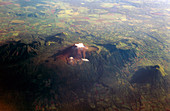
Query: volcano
[14,51]
[149,74]
[75,54]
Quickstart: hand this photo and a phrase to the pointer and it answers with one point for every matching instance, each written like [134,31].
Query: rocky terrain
[84,55]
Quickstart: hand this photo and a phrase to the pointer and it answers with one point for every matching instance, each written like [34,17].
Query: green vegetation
[129,35]
[161,69]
